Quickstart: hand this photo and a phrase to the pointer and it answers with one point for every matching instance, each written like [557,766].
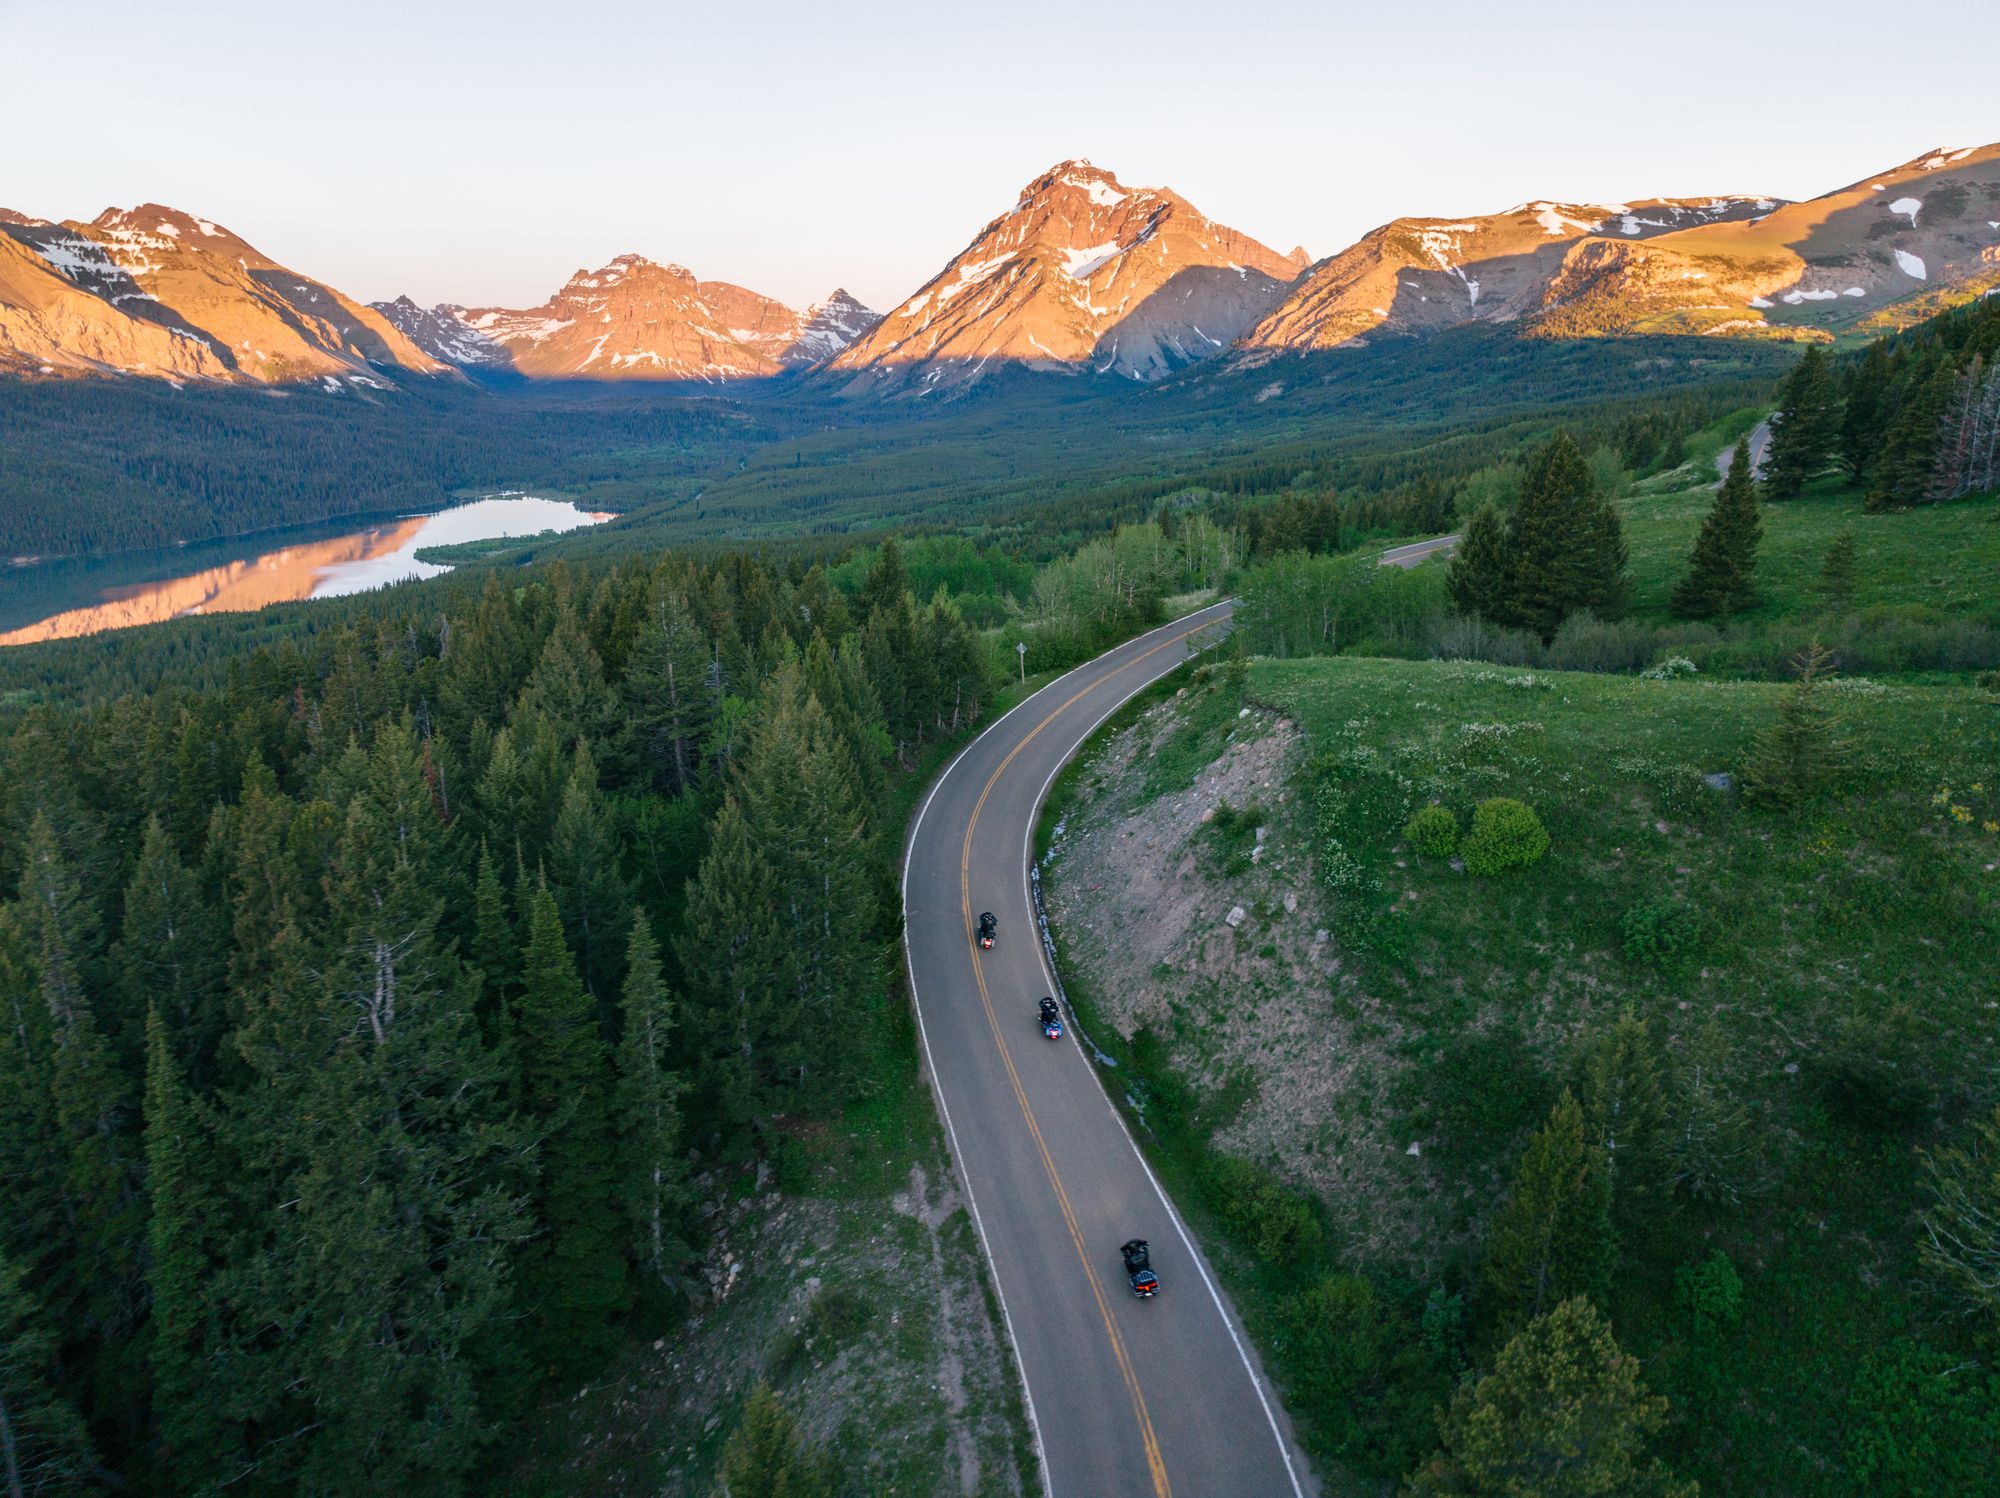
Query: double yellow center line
[1162,1486]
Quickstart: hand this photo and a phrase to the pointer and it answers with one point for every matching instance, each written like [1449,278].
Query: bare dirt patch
[1195,913]
[856,1311]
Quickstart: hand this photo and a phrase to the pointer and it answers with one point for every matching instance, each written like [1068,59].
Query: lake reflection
[310,569]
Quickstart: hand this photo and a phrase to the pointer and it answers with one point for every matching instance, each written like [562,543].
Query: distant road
[1417,551]
[1129,1398]
[1760,439]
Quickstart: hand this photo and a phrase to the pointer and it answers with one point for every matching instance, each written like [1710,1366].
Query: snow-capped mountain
[154,291]
[635,319]
[1888,246]
[1418,274]
[1082,273]
[825,328]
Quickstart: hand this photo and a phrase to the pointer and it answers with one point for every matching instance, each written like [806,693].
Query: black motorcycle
[1051,1020]
[986,929]
[1139,1269]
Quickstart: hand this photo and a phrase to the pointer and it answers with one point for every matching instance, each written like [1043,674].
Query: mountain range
[1082,276]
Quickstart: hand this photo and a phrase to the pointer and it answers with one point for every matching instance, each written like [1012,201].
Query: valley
[1485,731]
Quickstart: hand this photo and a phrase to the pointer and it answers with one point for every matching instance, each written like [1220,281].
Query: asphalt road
[1416,551]
[1146,1398]
[1760,442]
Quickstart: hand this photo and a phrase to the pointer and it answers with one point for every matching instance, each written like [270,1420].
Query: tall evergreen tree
[1623,1097]
[668,706]
[1481,577]
[743,1024]
[1863,412]
[1568,547]
[496,949]
[44,1448]
[887,582]
[1563,1414]
[171,951]
[1725,550]
[584,872]
[1902,471]
[1553,1239]
[75,1203]
[567,687]
[802,807]
[179,1229]
[652,1175]
[573,1278]
[1805,429]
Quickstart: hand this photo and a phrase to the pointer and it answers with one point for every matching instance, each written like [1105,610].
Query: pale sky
[480,153]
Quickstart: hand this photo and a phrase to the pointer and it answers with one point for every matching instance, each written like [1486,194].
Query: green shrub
[1266,1216]
[1920,1421]
[1506,834]
[1710,1292]
[1433,832]
[1659,933]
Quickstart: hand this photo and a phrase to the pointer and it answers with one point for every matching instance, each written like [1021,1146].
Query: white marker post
[1021,649]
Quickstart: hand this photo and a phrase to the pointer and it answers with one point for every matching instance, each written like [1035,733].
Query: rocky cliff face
[635,319]
[154,291]
[1081,274]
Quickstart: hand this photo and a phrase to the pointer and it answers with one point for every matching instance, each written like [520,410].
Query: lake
[68,599]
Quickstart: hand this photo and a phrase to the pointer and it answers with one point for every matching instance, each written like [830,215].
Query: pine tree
[1836,574]
[76,1202]
[1625,1116]
[1799,756]
[803,809]
[652,1174]
[1711,1140]
[1480,577]
[764,1458]
[567,689]
[887,583]
[743,1024]
[1725,551]
[584,872]
[668,707]
[496,950]
[1863,412]
[574,1277]
[171,951]
[1563,1414]
[44,1448]
[1553,1239]
[179,1224]
[1568,550]
[1805,430]
[1902,472]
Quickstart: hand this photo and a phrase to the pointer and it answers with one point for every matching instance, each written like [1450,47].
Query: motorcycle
[1139,1269]
[1051,1020]
[986,928]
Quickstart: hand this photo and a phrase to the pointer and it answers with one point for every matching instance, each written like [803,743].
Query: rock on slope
[635,319]
[1082,273]
[154,291]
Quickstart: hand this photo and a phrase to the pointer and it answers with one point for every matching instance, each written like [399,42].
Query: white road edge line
[1194,1255]
[937,1084]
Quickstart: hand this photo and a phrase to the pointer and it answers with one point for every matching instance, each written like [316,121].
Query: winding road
[1158,1398]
